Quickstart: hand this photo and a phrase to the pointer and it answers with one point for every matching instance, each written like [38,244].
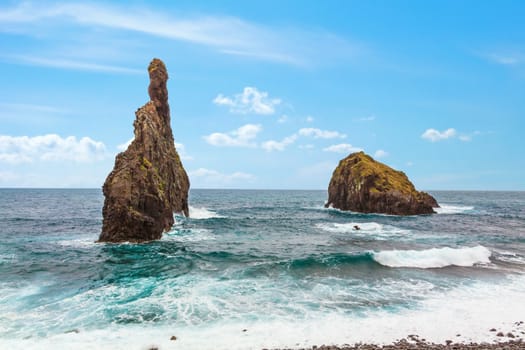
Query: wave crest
[434,258]
[203,213]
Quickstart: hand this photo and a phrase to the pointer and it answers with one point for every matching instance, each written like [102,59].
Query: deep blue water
[272,261]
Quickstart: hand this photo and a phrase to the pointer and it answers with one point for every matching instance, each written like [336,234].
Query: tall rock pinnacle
[148,182]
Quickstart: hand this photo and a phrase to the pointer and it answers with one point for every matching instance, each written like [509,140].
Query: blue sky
[267,94]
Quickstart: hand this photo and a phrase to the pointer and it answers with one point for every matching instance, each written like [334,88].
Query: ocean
[254,269]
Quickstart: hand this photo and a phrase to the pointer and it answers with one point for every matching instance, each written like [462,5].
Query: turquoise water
[258,269]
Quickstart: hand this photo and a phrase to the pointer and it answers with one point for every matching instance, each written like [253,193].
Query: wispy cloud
[250,100]
[71,64]
[434,135]
[226,34]
[51,147]
[513,58]
[342,148]
[320,134]
[273,145]
[241,137]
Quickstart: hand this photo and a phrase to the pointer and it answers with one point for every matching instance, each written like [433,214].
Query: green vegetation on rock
[359,183]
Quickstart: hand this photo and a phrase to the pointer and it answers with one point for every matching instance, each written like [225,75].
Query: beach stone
[500,334]
[173,338]
[361,184]
[148,182]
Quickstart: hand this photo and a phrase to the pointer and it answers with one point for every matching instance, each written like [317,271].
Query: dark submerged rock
[148,182]
[361,184]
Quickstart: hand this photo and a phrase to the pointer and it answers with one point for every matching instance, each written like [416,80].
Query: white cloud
[51,147]
[320,134]
[227,34]
[434,135]
[273,145]
[242,137]
[181,150]
[309,119]
[124,146]
[250,100]
[203,177]
[342,148]
[380,153]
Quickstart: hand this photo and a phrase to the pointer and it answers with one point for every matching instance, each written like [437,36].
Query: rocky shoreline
[405,344]
[509,341]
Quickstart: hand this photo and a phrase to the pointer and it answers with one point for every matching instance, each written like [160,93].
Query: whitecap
[7,258]
[453,209]
[510,257]
[202,213]
[178,234]
[434,257]
[372,229]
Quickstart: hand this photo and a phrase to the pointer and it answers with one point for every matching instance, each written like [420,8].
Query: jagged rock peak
[361,184]
[148,182]
[157,90]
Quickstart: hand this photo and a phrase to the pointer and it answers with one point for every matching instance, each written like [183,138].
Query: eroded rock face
[148,182]
[361,184]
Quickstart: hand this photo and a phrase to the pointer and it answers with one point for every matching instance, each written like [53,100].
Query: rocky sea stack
[148,182]
[361,184]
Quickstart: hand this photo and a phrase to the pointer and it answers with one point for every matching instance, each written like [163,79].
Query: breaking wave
[434,258]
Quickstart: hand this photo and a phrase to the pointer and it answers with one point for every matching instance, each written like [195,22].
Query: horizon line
[252,189]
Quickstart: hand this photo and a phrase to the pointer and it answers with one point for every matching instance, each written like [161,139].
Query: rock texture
[361,184]
[148,183]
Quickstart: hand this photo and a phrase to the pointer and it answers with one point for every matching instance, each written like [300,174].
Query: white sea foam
[201,213]
[85,242]
[7,258]
[467,310]
[510,257]
[368,229]
[188,235]
[453,209]
[434,258]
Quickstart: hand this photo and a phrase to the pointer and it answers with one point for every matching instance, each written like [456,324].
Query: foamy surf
[367,229]
[469,311]
[453,209]
[201,213]
[434,258]
[178,234]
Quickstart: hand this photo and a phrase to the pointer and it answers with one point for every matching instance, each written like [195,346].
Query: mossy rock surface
[362,184]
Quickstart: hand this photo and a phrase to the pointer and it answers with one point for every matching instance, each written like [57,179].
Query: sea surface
[259,269]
